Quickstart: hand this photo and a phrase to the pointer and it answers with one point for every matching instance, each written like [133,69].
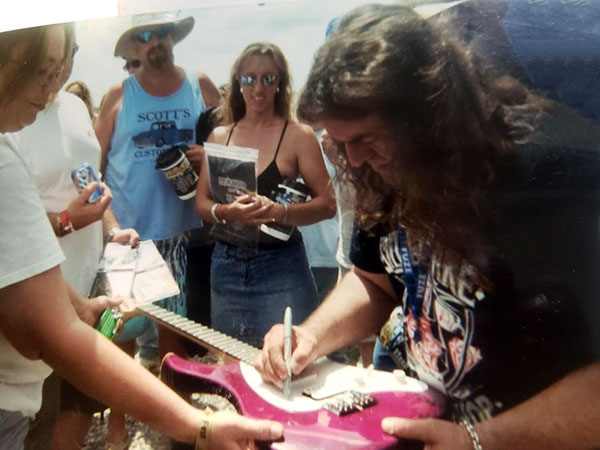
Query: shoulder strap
[280,139]
[230,133]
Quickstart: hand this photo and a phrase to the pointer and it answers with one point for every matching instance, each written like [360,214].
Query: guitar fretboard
[202,335]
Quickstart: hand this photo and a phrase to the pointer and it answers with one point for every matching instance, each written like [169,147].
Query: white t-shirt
[62,139]
[27,247]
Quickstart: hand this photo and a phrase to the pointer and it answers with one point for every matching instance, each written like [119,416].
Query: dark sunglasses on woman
[266,80]
[160,32]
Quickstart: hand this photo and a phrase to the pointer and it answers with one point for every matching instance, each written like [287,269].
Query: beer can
[82,177]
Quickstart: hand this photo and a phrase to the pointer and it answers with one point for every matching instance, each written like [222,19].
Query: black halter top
[267,183]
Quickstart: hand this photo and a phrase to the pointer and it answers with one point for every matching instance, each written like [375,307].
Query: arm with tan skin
[124,236]
[83,213]
[211,97]
[311,168]
[52,331]
[210,93]
[356,309]
[563,416]
[245,208]
[106,120]
[80,211]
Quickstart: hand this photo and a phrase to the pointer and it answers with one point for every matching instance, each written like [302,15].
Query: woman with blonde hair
[80,89]
[251,287]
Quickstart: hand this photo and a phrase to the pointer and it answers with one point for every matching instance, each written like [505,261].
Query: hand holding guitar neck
[287,351]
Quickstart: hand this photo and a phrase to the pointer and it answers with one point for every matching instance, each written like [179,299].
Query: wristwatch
[111,234]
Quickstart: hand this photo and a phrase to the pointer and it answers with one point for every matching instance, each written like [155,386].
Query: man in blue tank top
[155,108]
[152,110]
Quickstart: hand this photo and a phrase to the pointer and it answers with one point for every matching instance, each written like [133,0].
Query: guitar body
[309,426]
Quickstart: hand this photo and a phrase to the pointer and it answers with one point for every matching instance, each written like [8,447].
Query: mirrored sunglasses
[161,32]
[266,80]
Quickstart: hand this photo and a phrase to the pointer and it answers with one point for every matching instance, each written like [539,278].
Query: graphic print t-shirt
[487,351]
[146,126]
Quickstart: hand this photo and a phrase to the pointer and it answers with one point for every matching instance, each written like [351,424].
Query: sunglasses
[143,37]
[266,80]
[134,63]
[75,50]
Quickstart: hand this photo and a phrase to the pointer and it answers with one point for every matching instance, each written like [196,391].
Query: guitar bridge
[349,402]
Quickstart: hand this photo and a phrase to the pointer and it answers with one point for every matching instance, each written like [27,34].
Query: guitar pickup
[349,402]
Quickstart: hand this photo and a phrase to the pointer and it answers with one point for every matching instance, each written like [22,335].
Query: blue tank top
[147,125]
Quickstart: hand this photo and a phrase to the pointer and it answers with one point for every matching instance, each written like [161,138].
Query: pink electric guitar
[333,406]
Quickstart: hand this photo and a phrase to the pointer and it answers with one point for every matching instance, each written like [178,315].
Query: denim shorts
[250,289]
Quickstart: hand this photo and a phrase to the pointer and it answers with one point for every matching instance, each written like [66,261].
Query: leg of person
[199,256]
[41,429]
[147,343]
[174,252]
[13,430]
[74,418]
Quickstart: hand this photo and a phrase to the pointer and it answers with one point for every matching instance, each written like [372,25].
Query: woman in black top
[251,287]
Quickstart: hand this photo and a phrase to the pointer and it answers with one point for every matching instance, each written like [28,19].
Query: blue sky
[218,37]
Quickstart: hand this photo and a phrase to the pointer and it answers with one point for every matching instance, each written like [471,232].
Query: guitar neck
[208,338]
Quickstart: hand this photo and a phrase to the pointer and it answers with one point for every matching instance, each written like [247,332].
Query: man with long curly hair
[477,218]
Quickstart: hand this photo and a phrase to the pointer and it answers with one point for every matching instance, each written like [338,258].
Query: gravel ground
[141,436]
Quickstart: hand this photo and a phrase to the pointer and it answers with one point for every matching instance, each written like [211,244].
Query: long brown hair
[455,115]
[86,96]
[235,107]
[34,42]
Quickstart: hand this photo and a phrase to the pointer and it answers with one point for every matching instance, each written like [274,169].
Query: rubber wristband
[203,435]
[64,223]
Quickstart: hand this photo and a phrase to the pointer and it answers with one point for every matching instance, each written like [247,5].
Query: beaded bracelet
[203,435]
[472,434]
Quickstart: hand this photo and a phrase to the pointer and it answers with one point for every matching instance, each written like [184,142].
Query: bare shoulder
[112,99]
[210,93]
[203,78]
[219,134]
[301,133]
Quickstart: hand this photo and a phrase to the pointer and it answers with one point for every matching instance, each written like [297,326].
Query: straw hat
[181,28]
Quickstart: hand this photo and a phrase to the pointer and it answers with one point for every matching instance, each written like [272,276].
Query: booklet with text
[140,273]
